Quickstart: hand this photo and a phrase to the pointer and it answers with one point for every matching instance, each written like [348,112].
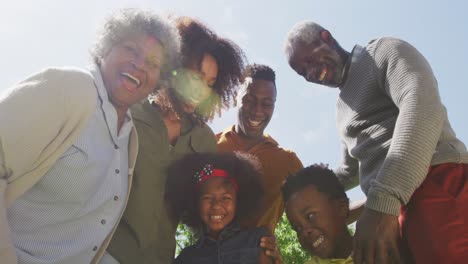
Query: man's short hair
[260,71]
[255,72]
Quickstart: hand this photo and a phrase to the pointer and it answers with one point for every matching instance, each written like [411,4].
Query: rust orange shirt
[277,164]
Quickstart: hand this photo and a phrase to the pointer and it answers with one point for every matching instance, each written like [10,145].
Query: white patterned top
[68,214]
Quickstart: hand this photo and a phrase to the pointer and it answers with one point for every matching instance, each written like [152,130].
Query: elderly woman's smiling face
[131,69]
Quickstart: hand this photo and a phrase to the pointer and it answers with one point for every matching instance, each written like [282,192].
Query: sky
[37,33]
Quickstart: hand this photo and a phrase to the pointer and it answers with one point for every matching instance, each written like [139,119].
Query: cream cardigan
[40,118]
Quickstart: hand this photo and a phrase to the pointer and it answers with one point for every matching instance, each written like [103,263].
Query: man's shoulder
[285,157]
[225,139]
[284,151]
[289,153]
[276,145]
[387,44]
[225,133]
[386,39]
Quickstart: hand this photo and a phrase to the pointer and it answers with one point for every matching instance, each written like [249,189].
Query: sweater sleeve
[348,171]
[23,134]
[33,114]
[7,250]
[407,78]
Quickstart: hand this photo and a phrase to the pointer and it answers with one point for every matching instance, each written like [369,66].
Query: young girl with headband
[210,193]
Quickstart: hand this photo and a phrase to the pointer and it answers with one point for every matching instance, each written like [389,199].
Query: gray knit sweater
[392,124]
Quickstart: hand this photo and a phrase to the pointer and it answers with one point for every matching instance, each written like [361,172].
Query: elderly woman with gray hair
[68,144]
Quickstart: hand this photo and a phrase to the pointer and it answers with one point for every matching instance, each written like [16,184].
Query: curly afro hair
[318,175]
[182,194]
[197,40]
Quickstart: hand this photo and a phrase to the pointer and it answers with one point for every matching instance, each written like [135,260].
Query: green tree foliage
[290,248]
[184,238]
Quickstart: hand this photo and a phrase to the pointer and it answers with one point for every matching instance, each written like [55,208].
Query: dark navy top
[234,246]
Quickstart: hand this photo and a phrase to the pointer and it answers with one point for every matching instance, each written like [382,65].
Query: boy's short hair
[318,175]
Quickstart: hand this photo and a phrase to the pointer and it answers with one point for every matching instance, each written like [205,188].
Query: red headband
[207,172]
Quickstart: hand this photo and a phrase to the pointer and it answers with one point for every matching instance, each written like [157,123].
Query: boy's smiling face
[217,204]
[319,221]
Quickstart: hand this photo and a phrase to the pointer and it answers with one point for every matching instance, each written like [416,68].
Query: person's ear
[343,208]
[326,36]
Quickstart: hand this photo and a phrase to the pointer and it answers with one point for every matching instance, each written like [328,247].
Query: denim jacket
[234,246]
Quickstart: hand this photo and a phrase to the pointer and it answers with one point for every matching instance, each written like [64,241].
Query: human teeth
[254,123]
[216,217]
[133,78]
[318,242]
[323,74]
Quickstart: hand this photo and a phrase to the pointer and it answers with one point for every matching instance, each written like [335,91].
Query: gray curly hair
[303,32]
[125,22]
